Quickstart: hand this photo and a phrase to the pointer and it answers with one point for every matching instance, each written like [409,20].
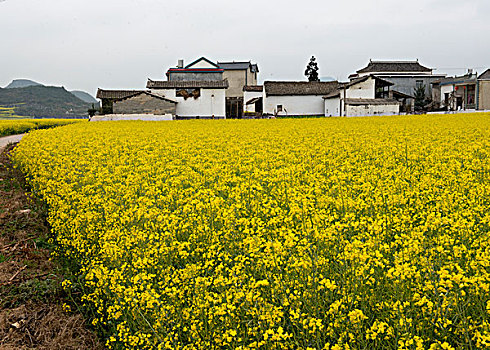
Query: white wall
[446,89]
[146,117]
[247,96]
[365,89]
[332,107]
[211,102]
[367,110]
[295,105]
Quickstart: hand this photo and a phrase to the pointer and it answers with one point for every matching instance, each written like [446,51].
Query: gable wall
[202,64]
[365,89]
[144,104]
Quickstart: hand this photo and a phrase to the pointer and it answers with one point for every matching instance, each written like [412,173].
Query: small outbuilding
[296,98]
[135,102]
[364,96]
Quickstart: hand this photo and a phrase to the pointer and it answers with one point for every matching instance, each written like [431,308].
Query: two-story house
[239,75]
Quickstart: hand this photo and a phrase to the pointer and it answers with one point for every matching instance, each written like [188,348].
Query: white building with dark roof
[363,96]
[195,99]
[296,98]
[406,76]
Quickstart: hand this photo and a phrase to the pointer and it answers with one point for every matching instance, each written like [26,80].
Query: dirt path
[31,296]
[4,141]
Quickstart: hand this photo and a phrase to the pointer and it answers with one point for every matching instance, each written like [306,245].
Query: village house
[483,91]
[455,93]
[253,100]
[238,74]
[364,96]
[296,98]
[195,99]
[135,102]
[406,76]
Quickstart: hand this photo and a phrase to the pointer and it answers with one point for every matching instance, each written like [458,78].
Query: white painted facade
[210,103]
[363,89]
[294,105]
[333,107]
[369,110]
[366,90]
[447,89]
[247,96]
[119,117]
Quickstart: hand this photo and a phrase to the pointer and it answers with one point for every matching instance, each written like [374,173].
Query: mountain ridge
[44,102]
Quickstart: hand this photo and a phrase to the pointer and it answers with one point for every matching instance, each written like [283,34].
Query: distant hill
[21,83]
[327,79]
[84,96]
[44,101]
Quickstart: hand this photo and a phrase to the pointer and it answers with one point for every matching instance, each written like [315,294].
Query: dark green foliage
[92,111]
[44,101]
[312,70]
[420,98]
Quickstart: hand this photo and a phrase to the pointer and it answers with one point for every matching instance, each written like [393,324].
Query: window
[419,83]
[446,98]
[186,93]
[279,108]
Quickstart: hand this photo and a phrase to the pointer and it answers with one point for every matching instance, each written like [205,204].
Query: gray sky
[119,44]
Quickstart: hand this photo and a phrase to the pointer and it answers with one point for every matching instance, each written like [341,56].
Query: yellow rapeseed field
[18,125]
[332,233]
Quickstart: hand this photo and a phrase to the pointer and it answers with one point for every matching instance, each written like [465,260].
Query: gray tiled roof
[124,94]
[239,66]
[333,94]
[117,94]
[204,84]
[255,88]
[360,80]
[290,88]
[485,75]
[394,66]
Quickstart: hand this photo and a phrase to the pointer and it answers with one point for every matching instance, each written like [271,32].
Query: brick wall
[144,104]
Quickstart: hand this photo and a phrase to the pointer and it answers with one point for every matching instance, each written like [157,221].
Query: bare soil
[31,296]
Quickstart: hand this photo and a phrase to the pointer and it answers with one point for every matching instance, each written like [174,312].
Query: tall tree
[420,98]
[312,70]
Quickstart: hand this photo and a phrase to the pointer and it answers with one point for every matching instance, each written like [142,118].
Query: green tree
[420,98]
[92,111]
[312,70]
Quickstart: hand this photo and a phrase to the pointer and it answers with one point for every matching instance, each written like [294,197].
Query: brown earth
[31,296]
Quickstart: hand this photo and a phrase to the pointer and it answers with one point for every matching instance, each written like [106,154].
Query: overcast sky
[88,44]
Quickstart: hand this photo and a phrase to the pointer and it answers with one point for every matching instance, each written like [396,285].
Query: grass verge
[34,308]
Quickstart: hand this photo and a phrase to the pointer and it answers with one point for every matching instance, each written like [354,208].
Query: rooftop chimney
[180,64]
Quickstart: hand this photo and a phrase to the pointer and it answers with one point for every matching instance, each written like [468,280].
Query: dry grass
[31,315]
